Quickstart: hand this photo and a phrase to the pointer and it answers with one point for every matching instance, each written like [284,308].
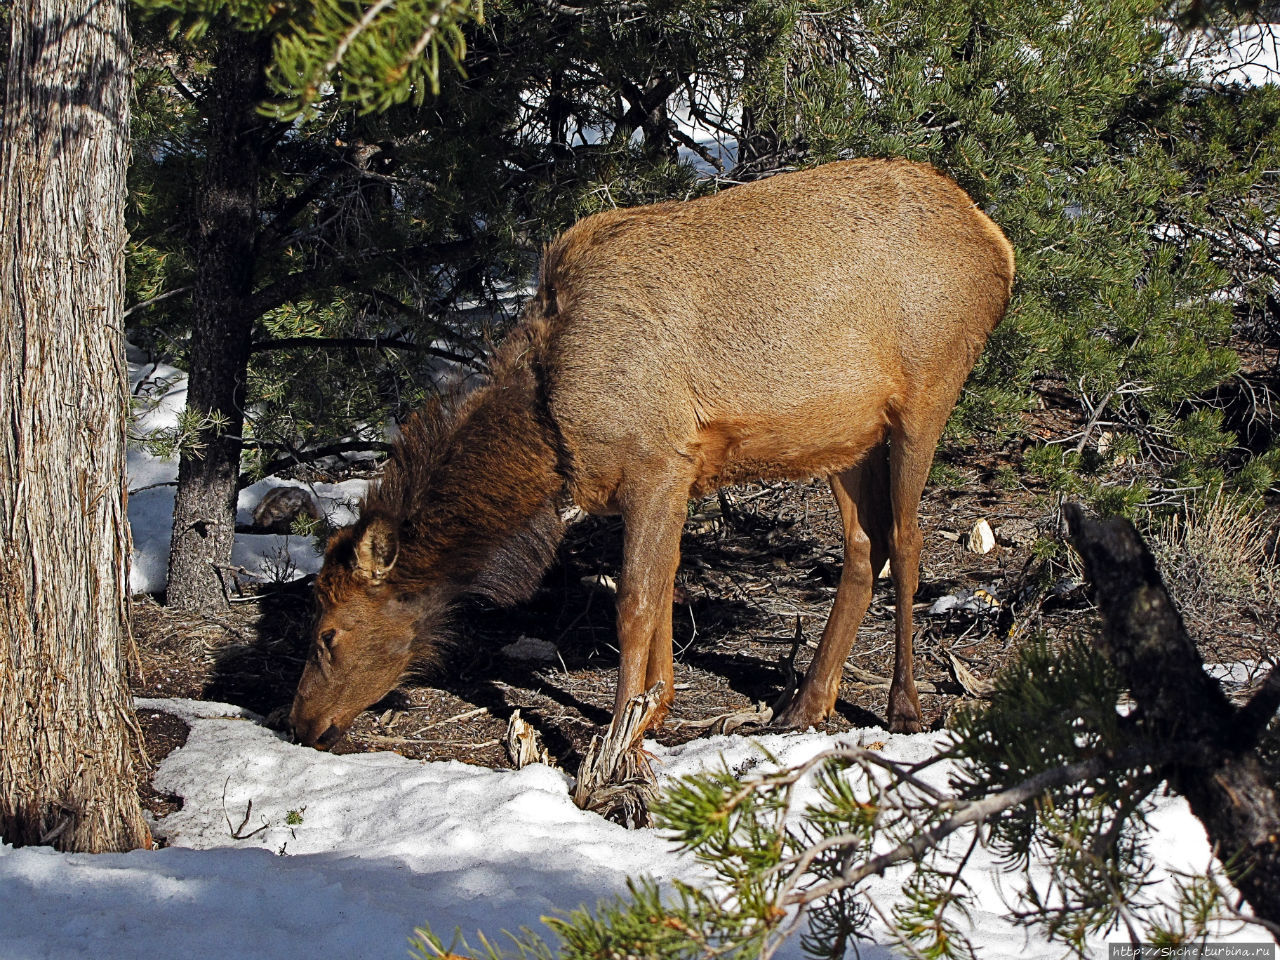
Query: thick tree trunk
[221,323]
[66,762]
[1222,777]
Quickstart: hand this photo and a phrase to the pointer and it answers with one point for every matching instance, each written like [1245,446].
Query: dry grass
[1218,559]
[1221,545]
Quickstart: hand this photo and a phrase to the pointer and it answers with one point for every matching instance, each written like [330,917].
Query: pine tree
[1078,127]
[254,47]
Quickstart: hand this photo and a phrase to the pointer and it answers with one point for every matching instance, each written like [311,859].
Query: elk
[817,323]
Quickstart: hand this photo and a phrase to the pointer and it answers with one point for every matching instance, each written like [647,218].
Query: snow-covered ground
[343,856]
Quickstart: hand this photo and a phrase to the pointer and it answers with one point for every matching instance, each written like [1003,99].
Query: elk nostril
[329,737]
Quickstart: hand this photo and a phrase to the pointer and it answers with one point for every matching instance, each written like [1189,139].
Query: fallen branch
[237,833]
[727,723]
[1222,777]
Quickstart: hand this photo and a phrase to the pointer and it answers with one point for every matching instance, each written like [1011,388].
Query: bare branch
[164,296]
[360,343]
[296,458]
[554,6]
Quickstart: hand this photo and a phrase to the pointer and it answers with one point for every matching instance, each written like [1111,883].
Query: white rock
[981,538]
[601,581]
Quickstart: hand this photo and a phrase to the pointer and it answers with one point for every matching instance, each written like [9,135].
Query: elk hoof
[904,709]
[906,724]
[797,716]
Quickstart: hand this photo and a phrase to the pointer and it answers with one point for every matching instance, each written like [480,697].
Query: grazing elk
[815,323]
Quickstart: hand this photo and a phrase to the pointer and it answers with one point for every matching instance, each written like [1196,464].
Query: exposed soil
[747,581]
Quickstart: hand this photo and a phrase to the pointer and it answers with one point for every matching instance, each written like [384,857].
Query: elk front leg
[653,520]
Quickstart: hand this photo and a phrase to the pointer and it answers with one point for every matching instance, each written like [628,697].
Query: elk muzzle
[319,732]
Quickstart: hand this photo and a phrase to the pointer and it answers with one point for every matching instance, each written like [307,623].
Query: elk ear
[376,550]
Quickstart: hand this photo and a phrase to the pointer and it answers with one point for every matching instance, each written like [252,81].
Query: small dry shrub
[1221,545]
[1218,559]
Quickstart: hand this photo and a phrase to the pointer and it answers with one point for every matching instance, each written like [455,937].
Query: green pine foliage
[331,263]
[374,53]
[1122,181]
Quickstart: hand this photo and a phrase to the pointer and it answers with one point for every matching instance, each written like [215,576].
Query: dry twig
[523,744]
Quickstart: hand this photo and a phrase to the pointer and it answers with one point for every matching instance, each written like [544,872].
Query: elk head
[366,632]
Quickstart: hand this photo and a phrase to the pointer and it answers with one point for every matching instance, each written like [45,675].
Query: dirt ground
[749,577]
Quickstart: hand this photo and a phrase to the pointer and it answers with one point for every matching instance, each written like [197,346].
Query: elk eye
[326,638]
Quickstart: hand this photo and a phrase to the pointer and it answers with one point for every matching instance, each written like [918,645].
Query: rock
[981,600]
[280,507]
[530,648]
[600,581]
[981,539]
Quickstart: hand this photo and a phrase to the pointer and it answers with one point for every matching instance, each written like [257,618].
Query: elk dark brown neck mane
[472,486]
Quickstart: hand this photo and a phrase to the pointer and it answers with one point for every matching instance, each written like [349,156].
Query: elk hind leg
[862,494]
[661,665]
[910,457]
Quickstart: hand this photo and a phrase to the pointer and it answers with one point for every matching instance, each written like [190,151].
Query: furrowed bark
[66,760]
[1178,702]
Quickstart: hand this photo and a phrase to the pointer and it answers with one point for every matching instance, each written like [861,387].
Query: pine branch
[273,233]
[697,148]
[966,813]
[296,458]
[182,88]
[344,43]
[154,300]
[363,343]
[554,6]
[346,272]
